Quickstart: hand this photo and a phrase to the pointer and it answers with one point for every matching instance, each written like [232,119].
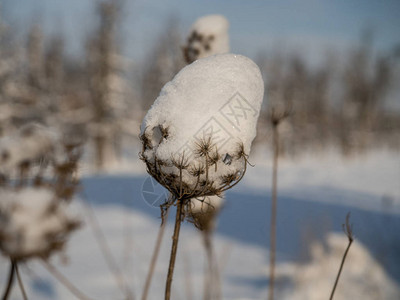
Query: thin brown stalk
[208,274]
[108,257]
[188,277]
[10,280]
[174,248]
[155,255]
[211,280]
[21,285]
[272,253]
[348,230]
[64,281]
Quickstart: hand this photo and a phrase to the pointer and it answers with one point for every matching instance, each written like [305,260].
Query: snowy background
[341,153]
[314,198]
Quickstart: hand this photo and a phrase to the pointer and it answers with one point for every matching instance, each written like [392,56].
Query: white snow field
[315,194]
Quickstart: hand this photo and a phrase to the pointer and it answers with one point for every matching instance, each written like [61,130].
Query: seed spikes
[201,174]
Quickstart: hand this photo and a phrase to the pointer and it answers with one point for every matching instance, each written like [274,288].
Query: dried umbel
[31,143]
[37,156]
[38,178]
[197,135]
[33,223]
[208,36]
[203,212]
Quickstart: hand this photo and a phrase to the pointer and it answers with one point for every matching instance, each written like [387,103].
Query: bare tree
[164,61]
[104,73]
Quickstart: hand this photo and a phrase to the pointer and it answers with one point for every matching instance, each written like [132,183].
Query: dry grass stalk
[155,254]
[107,254]
[276,118]
[10,280]
[21,285]
[348,230]
[64,281]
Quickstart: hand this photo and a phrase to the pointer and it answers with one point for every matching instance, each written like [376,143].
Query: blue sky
[309,26]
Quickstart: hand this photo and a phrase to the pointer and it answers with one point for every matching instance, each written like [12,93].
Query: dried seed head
[240,153]
[197,171]
[196,154]
[209,36]
[229,178]
[214,157]
[204,147]
[146,141]
[202,212]
[26,232]
[180,162]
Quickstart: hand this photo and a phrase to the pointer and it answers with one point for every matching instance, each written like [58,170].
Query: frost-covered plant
[38,176]
[197,135]
[202,213]
[31,143]
[208,36]
[33,223]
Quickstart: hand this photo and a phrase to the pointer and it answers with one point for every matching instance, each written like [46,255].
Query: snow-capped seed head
[208,36]
[202,212]
[31,142]
[209,111]
[33,223]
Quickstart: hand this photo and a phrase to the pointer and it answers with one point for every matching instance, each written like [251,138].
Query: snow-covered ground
[315,194]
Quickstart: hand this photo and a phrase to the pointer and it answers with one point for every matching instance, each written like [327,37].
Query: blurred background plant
[100,94]
[38,174]
[92,74]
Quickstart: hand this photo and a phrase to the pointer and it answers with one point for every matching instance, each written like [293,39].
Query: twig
[188,278]
[21,285]
[174,248]
[208,274]
[155,255]
[276,119]
[272,253]
[348,230]
[212,281]
[64,281]
[10,280]
[105,250]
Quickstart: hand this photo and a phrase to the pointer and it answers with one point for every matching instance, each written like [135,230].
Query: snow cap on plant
[33,223]
[202,212]
[32,142]
[208,36]
[197,135]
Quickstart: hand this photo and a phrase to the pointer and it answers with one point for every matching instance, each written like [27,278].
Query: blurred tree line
[342,102]
[100,98]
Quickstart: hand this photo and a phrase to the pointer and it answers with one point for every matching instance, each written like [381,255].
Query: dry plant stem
[108,257]
[64,281]
[10,279]
[340,269]
[21,285]
[208,273]
[174,248]
[272,252]
[349,232]
[188,278]
[155,256]
[211,277]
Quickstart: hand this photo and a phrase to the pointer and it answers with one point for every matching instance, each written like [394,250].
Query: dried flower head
[197,135]
[202,212]
[208,36]
[38,176]
[33,223]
